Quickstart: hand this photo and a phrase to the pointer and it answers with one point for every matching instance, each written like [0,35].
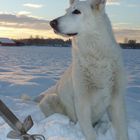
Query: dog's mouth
[72,34]
[64,34]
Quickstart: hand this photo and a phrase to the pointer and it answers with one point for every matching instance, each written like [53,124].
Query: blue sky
[30,17]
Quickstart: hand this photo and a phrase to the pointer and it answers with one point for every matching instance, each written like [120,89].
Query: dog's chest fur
[96,67]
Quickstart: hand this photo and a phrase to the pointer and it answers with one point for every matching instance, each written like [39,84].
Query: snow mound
[57,126]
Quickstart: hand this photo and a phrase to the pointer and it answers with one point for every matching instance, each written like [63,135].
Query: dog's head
[79,17]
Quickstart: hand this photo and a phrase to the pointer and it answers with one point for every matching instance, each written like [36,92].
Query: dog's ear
[97,4]
[71,1]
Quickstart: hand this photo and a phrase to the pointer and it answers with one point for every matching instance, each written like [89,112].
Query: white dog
[94,83]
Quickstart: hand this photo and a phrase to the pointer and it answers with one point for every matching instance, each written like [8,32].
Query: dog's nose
[54,24]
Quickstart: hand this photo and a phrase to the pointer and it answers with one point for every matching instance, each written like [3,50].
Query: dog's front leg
[117,108]
[118,116]
[83,112]
[82,105]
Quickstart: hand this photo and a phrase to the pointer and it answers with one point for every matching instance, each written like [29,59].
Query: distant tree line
[40,41]
[130,44]
[43,42]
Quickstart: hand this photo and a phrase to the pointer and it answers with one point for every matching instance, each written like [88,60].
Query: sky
[25,18]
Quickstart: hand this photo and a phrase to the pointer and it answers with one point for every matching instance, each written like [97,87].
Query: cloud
[129,33]
[23,21]
[32,5]
[124,30]
[121,25]
[26,13]
[113,2]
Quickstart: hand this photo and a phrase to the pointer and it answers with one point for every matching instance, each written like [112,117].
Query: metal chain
[38,137]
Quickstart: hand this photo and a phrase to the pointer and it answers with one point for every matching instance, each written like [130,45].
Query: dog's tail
[46,92]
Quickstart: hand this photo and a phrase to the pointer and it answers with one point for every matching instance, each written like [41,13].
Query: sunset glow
[26,33]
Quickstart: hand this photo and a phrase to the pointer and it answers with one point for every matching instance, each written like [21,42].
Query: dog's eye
[76,12]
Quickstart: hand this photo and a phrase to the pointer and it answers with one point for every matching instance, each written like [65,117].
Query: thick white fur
[93,85]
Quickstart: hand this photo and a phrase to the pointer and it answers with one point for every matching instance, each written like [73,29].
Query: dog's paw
[102,126]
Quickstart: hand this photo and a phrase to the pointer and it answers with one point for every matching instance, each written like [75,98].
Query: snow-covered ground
[32,70]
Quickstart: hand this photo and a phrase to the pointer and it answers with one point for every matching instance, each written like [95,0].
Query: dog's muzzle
[54,25]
